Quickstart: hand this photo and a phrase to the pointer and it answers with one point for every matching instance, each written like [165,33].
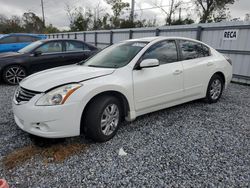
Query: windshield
[30,47]
[117,55]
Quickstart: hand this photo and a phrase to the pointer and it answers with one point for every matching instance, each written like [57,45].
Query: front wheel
[14,74]
[102,118]
[214,89]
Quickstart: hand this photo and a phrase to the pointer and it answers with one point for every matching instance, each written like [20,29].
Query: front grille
[24,95]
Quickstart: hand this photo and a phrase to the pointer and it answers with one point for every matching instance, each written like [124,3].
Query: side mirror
[37,53]
[146,63]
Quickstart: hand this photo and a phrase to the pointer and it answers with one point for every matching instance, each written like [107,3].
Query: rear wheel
[14,74]
[102,118]
[215,89]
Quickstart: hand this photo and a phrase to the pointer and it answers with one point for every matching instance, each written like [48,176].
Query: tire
[106,109]
[214,89]
[14,74]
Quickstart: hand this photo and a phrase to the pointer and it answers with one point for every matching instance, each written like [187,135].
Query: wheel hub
[110,119]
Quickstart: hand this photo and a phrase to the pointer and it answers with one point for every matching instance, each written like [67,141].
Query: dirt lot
[191,145]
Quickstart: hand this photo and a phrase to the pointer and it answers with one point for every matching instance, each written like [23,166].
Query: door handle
[177,72]
[210,63]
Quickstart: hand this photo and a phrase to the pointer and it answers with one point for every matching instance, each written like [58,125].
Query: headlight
[58,96]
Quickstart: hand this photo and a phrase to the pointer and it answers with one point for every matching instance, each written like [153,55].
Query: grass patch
[54,153]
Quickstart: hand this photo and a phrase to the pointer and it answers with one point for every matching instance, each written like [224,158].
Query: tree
[29,23]
[212,10]
[117,7]
[173,6]
[51,29]
[32,23]
[247,17]
[80,20]
[10,25]
[183,21]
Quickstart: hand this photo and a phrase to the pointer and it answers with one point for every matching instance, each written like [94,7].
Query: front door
[51,56]
[159,85]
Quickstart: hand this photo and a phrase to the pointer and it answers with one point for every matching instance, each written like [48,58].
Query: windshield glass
[117,55]
[30,47]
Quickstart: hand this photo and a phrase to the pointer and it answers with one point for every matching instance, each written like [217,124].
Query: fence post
[95,38]
[75,36]
[130,34]
[199,32]
[111,38]
[62,36]
[157,32]
[84,36]
[68,35]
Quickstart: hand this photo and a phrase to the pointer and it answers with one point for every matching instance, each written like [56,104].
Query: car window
[27,39]
[165,52]
[192,50]
[206,50]
[50,47]
[72,46]
[30,47]
[7,40]
[116,55]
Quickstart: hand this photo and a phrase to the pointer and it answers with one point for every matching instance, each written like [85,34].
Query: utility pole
[179,13]
[132,10]
[43,13]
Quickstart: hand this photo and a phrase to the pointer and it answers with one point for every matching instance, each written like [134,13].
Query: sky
[55,10]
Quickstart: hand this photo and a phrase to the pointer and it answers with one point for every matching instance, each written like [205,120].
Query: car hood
[45,80]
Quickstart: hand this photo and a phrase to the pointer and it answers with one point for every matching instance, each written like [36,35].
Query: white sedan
[123,81]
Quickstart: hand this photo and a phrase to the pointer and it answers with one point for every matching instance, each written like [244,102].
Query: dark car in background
[16,41]
[41,55]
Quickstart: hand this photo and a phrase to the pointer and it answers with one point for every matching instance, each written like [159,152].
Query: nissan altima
[123,81]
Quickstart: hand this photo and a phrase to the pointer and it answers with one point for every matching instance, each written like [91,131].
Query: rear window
[73,46]
[193,50]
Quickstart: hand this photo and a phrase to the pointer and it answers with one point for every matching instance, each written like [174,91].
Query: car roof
[160,38]
[150,39]
[61,39]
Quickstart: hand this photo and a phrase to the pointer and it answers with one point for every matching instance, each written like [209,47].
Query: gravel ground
[191,145]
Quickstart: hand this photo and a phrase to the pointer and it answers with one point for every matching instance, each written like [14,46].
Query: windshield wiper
[96,66]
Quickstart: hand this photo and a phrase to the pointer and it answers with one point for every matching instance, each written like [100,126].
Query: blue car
[15,42]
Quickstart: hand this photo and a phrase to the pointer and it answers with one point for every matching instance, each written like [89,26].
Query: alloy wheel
[14,75]
[215,89]
[110,119]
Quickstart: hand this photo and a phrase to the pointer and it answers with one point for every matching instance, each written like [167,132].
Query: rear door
[162,84]
[197,67]
[75,51]
[9,44]
[51,56]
